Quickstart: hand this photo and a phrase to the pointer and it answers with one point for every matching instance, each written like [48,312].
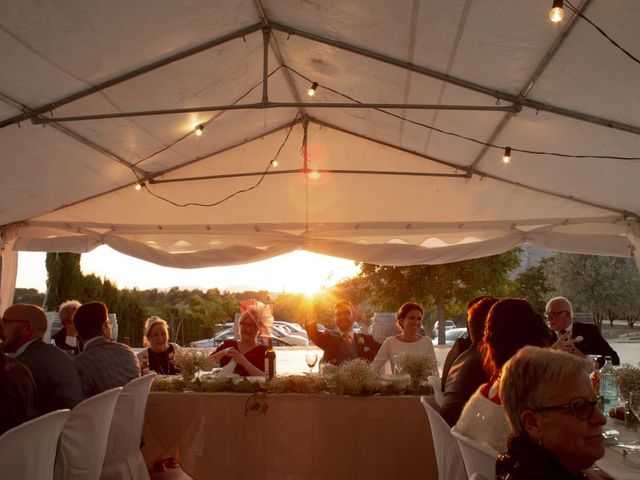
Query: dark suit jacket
[460,345]
[335,351]
[593,343]
[465,376]
[61,342]
[55,374]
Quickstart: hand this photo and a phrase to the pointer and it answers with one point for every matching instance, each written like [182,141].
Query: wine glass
[312,358]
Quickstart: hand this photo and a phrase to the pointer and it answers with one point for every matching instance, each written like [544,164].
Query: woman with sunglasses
[555,426]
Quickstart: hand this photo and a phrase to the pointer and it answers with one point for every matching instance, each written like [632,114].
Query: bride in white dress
[409,320]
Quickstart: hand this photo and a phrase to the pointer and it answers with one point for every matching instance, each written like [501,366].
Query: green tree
[532,285]
[28,295]
[64,278]
[447,288]
[606,286]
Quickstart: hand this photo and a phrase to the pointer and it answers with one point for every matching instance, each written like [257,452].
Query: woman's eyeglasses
[581,408]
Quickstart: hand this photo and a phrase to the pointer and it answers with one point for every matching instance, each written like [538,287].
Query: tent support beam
[260,105]
[307,172]
[539,106]
[31,113]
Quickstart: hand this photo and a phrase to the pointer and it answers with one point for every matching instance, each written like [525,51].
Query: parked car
[452,335]
[448,325]
[280,332]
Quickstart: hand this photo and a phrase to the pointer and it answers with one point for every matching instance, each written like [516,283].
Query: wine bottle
[270,361]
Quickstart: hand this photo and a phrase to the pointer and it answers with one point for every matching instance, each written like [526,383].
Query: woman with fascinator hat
[247,353]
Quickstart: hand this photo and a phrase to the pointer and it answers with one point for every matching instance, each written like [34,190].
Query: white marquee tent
[397,159]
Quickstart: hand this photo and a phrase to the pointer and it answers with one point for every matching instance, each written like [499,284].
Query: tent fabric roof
[97,96]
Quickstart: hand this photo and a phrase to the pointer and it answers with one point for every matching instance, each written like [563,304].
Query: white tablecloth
[299,437]
[612,463]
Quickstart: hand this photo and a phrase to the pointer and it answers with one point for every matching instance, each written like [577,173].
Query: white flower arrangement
[191,360]
[417,366]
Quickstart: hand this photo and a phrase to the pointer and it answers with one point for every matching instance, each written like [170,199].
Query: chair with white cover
[448,457]
[436,383]
[83,441]
[123,460]
[479,457]
[477,476]
[28,451]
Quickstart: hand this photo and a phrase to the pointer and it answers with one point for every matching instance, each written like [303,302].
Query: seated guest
[56,377]
[511,324]
[559,313]
[66,338]
[103,364]
[467,372]
[17,393]
[461,344]
[344,344]
[409,319]
[556,427]
[246,353]
[158,356]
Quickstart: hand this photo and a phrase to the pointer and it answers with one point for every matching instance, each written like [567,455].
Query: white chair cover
[478,456]
[123,460]
[83,441]
[450,464]
[436,383]
[477,476]
[28,451]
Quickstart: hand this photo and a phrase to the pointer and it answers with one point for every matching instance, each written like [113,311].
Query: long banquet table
[299,436]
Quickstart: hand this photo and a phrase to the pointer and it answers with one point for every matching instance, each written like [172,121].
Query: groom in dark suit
[559,313]
[343,344]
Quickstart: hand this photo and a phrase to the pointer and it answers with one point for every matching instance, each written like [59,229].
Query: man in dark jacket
[344,344]
[56,377]
[559,313]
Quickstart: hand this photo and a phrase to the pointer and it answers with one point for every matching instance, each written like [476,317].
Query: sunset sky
[298,271]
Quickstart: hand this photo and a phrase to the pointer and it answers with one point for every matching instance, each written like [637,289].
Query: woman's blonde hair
[149,324]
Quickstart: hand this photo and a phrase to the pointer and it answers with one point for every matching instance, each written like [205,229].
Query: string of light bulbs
[502,148]
[272,163]
[199,129]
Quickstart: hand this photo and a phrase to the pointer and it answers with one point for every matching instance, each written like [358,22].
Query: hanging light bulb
[556,14]
[312,89]
[274,163]
[139,186]
[506,156]
[199,130]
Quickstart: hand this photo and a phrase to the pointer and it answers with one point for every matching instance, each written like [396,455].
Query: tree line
[609,287]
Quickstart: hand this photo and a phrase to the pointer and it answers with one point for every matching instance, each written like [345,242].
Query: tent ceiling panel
[392,206]
[94,41]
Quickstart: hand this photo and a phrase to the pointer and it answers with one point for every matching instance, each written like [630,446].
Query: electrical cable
[464,137]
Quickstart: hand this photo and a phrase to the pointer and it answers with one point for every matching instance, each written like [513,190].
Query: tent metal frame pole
[132,74]
[539,106]
[306,172]
[260,106]
[266,35]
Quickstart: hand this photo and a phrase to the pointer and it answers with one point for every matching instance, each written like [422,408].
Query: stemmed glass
[312,358]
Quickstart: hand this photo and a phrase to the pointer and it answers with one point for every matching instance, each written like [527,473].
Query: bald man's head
[20,323]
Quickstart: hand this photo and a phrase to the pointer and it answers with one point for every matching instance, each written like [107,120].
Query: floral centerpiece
[417,366]
[190,361]
[627,378]
[354,377]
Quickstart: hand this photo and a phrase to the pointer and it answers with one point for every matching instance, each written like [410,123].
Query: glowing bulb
[556,14]
[274,163]
[139,186]
[506,157]
[199,130]
[314,175]
[312,89]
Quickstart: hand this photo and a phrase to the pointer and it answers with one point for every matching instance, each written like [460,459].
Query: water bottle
[608,388]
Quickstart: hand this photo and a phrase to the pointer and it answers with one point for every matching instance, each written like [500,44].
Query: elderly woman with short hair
[555,424]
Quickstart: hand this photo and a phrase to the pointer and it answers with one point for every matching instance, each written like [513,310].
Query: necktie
[347,339]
